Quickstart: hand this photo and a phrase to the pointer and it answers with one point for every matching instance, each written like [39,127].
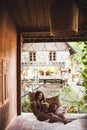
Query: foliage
[76,61]
[84,70]
[81,58]
[70,98]
[25,104]
[78,47]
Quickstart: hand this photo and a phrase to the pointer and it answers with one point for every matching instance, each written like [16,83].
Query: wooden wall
[8,87]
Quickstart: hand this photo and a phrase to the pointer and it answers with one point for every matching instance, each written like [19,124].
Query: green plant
[70,98]
[26,104]
[84,71]
[81,58]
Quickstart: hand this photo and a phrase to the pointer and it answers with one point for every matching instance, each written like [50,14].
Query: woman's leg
[43,116]
[52,108]
[52,118]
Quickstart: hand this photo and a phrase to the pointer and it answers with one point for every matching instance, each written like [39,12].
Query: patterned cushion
[61,110]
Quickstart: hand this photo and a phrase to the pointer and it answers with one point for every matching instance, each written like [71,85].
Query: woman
[41,111]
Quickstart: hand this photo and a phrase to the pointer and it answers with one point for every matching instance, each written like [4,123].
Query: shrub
[26,104]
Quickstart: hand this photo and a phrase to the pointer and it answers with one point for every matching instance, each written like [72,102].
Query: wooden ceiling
[33,19]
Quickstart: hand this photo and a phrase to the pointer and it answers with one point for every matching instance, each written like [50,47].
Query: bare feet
[67,121]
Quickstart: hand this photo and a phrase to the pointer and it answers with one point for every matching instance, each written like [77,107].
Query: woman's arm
[34,108]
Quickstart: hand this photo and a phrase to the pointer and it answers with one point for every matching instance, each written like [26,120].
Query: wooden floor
[29,122]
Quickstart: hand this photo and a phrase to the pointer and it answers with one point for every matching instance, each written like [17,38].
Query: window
[32,56]
[52,56]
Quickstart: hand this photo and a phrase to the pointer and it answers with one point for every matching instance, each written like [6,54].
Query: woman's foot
[67,121]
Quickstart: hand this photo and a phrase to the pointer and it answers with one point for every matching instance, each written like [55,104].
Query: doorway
[33,64]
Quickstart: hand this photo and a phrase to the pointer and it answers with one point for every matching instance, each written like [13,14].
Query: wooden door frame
[18,73]
[19,31]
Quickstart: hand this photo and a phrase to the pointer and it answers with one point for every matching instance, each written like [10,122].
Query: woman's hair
[37,93]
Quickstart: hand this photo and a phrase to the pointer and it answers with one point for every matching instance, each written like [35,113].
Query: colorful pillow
[61,111]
